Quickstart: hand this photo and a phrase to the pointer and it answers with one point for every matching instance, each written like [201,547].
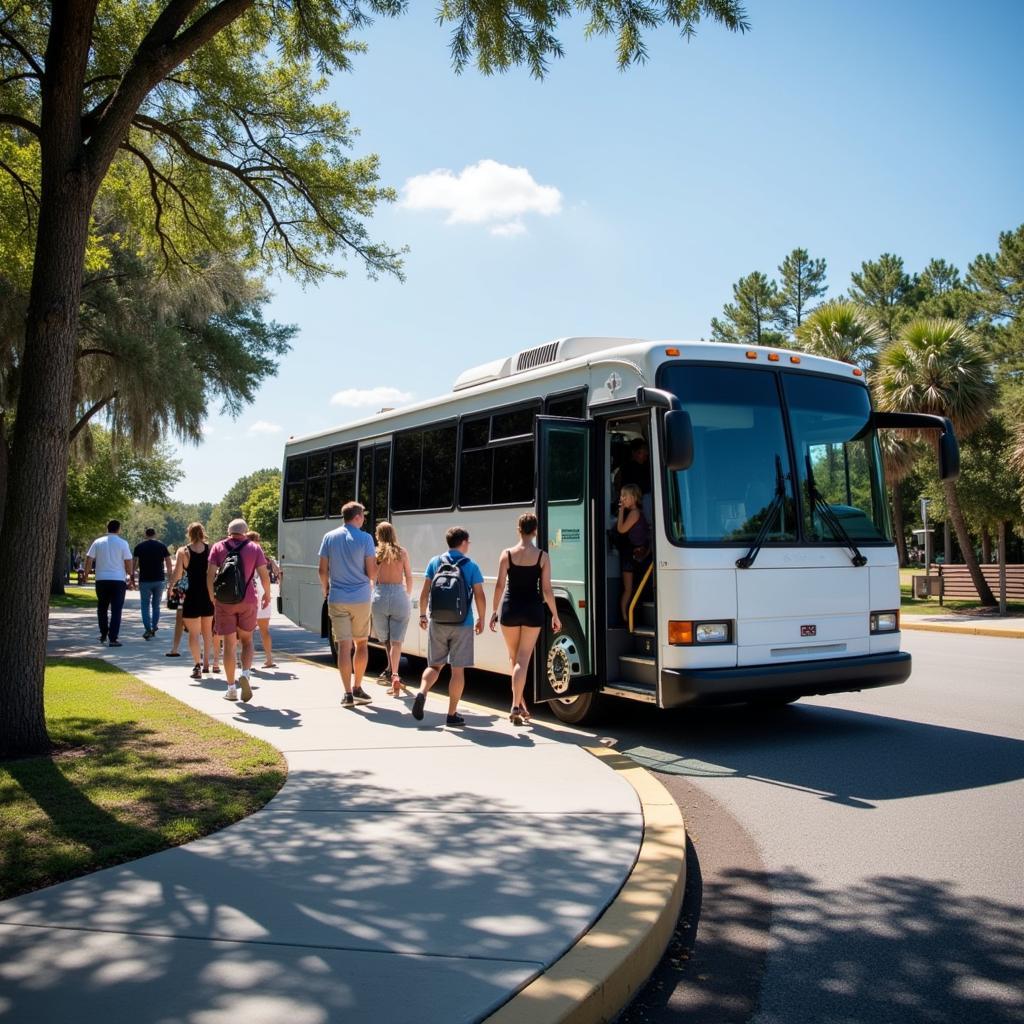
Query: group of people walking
[217,608]
[223,595]
[368,583]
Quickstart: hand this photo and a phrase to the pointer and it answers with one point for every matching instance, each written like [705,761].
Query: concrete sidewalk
[972,625]
[405,872]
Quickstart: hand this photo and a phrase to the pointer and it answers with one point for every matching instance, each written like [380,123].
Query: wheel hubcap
[564,662]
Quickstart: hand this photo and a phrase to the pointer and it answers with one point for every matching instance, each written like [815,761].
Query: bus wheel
[565,660]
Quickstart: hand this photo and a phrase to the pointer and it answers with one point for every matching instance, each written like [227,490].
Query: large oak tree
[218,101]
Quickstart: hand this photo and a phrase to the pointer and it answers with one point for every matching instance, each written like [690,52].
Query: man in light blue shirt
[348,567]
[449,642]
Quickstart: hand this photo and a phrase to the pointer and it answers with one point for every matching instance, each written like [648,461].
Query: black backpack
[449,593]
[230,584]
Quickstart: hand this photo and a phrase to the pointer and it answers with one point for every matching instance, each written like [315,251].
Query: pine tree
[751,318]
[802,281]
[885,290]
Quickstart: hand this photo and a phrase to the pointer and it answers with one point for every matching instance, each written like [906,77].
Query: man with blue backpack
[453,584]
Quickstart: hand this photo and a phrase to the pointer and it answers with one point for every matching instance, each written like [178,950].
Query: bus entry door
[564,663]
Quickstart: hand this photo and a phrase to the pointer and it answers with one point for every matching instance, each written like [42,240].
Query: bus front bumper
[681,687]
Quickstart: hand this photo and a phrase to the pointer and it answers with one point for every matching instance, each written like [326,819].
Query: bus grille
[537,356]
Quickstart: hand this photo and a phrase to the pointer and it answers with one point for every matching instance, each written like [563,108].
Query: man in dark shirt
[153,566]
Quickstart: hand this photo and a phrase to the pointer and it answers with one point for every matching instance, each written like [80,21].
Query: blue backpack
[449,593]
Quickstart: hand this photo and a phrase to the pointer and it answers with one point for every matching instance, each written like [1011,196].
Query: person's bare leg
[455,688]
[193,629]
[362,655]
[206,624]
[394,660]
[627,594]
[429,677]
[268,644]
[179,629]
[510,634]
[218,647]
[527,642]
[345,664]
[247,650]
[230,641]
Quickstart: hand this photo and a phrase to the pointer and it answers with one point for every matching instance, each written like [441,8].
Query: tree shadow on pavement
[494,886]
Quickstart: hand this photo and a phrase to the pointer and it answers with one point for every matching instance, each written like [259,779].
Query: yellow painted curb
[936,627]
[599,975]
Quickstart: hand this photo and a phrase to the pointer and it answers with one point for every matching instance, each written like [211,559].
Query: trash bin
[927,586]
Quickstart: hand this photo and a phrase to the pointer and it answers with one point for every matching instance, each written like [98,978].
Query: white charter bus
[773,574]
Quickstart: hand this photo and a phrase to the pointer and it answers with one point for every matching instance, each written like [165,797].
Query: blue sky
[850,129]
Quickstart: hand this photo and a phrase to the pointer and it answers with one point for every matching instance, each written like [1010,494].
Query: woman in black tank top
[190,567]
[524,576]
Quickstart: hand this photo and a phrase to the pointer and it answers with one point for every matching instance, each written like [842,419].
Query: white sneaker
[243,682]
[232,694]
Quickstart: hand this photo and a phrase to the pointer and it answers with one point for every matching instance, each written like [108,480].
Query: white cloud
[263,427]
[483,193]
[361,398]
[512,228]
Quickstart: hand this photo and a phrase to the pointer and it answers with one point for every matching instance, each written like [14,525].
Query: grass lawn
[133,771]
[74,596]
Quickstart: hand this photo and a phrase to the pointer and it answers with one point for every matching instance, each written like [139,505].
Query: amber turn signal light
[680,632]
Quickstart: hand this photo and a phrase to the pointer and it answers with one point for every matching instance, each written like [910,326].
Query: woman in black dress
[197,609]
[524,577]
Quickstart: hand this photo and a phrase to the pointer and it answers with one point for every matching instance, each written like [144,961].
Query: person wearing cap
[236,622]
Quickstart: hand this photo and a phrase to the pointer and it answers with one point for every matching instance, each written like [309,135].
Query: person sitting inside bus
[634,542]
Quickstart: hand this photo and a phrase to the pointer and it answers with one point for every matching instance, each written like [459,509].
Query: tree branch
[27,193]
[20,122]
[83,422]
[82,353]
[15,44]
[157,56]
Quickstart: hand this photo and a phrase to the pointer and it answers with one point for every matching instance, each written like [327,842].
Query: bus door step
[645,642]
[639,669]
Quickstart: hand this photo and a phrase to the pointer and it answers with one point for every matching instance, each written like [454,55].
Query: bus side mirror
[677,440]
[949,454]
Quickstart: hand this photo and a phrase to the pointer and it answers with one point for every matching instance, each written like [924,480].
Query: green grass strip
[133,771]
[74,596]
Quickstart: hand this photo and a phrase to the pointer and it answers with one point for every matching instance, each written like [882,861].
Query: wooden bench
[957,584]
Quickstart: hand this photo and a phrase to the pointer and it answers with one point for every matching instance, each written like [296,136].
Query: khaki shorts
[452,645]
[350,621]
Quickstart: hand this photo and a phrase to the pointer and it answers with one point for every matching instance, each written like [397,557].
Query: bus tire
[581,707]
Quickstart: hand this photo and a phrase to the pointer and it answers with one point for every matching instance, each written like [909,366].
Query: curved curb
[938,627]
[598,976]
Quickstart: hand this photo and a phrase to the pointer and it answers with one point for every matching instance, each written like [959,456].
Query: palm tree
[936,366]
[839,329]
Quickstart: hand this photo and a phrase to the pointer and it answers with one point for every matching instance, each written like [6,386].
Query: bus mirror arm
[676,427]
[949,449]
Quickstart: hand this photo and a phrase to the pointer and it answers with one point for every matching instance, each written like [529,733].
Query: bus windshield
[742,461]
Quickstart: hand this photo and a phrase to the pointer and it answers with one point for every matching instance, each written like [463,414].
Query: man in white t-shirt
[113,560]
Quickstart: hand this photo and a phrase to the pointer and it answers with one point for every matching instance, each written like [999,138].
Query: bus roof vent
[539,356]
[494,370]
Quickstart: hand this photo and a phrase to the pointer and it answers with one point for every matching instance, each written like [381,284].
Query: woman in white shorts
[392,599]
[263,615]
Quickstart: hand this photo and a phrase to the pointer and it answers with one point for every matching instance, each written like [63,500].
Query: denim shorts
[391,610]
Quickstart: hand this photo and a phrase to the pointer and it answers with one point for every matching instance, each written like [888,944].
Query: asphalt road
[857,858]
[854,859]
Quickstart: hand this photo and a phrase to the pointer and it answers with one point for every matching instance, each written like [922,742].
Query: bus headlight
[712,632]
[684,633]
[885,622]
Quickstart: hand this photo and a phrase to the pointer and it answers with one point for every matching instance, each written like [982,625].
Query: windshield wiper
[766,525]
[829,517]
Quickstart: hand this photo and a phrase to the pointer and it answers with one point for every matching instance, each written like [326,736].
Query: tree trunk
[60,555]
[898,526]
[1002,567]
[4,457]
[966,547]
[947,542]
[986,546]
